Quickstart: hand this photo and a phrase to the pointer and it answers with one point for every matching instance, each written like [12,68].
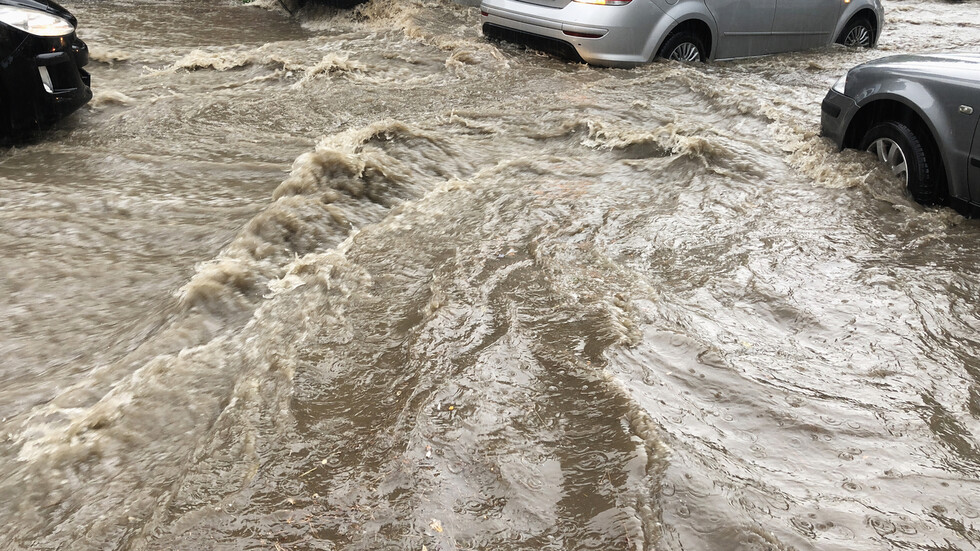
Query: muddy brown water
[364,280]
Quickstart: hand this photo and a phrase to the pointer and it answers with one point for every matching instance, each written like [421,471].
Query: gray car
[919,115]
[630,32]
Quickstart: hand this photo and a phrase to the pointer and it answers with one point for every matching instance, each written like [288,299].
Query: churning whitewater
[363,279]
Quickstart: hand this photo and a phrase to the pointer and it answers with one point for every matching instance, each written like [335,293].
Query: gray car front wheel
[899,148]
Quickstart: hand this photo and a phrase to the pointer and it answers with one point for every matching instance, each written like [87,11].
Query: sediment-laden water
[365,280]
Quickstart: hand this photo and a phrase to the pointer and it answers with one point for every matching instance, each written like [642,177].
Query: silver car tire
[859,33]
[899,148]
[683,46]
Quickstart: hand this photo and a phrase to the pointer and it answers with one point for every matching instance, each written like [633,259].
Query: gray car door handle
[975,161]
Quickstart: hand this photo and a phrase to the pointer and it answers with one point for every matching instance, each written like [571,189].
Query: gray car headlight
[840,84]
[35,22]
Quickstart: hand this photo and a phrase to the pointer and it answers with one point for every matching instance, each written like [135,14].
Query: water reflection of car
[919,115]
[41,60]
[629,32]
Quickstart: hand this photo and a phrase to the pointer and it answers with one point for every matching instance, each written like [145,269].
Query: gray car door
[804,24]
[744,26]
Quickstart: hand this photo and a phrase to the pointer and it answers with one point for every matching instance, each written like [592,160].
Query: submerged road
[365,280]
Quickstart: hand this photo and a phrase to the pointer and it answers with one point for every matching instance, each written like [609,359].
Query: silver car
[920,115]
[629,32]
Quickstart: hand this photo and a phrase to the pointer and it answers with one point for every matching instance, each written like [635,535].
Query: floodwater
[364,280]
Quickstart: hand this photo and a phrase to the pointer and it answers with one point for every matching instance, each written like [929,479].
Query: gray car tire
[899,148]
[683,46]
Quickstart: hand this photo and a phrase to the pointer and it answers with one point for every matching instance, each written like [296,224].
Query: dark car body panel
[932,86]
[974,169]
[26,103]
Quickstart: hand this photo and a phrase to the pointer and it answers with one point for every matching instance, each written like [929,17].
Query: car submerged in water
[630,32]
[918,114]
[41,60]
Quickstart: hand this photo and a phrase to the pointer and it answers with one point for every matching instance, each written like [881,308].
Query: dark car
[41,60]
[919,115]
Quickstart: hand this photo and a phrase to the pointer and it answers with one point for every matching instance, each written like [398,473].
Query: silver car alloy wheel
[685,51]
[858,37]
[892,155]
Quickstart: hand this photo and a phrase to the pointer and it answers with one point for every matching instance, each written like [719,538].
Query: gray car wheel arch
[906,111]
